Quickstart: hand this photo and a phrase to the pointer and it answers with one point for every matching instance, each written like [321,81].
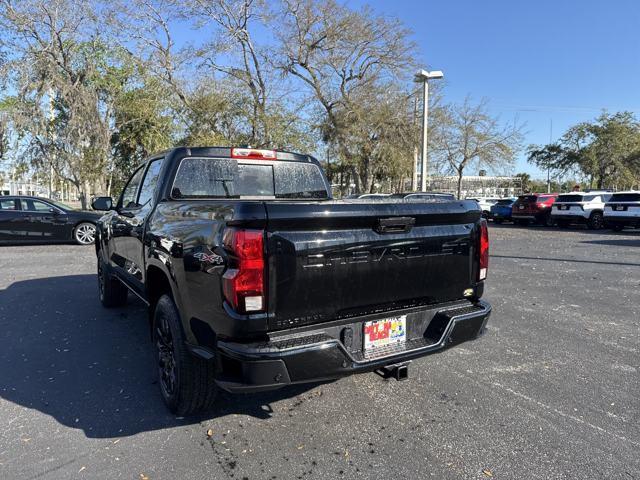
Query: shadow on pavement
[581,229]
[615,242]
[571,260]
[536,226]
[91,368]
[38,243]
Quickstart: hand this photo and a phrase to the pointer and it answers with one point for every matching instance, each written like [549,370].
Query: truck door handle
[395,225]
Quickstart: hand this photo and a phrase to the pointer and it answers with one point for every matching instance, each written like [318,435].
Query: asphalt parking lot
[552,391]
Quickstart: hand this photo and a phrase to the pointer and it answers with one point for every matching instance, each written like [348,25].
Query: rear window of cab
[231,178]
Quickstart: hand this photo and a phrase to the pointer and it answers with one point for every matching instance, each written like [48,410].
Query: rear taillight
[483,251]
[243,282]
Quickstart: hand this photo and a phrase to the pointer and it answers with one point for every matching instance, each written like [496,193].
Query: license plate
[564,207]
[384,332]
[619,208]
[521,207]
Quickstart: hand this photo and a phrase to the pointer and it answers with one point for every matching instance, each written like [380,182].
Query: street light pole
[425,125]
[423,77]
[548,168]
[414,176]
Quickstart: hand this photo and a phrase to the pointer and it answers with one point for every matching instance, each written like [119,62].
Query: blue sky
[543,61]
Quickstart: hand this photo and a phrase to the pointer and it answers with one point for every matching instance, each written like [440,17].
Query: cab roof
[235,152]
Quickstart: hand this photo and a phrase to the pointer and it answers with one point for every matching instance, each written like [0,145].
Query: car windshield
[504,202]
[228,178]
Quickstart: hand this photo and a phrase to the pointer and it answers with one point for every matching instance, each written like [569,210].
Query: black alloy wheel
[167,371]
[596,221]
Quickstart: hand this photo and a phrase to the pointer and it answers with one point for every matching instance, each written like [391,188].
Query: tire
[596,221]
[187,383]
[112,292]
[547,221]
[85,233]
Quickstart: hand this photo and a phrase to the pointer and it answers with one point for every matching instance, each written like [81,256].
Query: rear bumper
[328,353]
[523,216]
[535,217]
[569,218]
[620,220]
[500,215]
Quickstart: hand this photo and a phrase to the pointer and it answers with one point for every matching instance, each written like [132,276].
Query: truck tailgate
[332,260]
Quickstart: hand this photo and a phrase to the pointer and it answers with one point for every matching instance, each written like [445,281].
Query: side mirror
[102,203]
[54,211]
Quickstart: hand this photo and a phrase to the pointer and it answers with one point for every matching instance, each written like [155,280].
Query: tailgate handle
[395,224]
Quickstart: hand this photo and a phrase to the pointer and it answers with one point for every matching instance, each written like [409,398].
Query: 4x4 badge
[209,258]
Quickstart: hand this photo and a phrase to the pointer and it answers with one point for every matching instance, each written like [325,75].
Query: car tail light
[483,251]
[252,153]
[243,282]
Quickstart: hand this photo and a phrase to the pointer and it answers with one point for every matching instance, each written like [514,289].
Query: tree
[552,157]
[54,51]
[234,21]
[347,60]
[605,148]
[605,151]
[466,135]
[226,89]
[525,181]
[141,128]
[4,129]
[378,136]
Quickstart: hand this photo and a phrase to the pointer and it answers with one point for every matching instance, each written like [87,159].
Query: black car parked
[36,220]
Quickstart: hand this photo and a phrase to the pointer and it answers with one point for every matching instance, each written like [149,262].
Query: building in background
[23,187]
[62,190]
[472,186]
[478,185]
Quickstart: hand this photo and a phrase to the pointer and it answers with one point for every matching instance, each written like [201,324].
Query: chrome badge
[212,258]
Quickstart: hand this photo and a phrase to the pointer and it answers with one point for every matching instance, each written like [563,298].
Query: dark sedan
[38,220]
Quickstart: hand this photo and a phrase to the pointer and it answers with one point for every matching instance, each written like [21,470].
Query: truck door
[144,206]
[128,221]
[122,227]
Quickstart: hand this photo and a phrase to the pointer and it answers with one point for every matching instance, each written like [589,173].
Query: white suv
[623,210]
[580,207]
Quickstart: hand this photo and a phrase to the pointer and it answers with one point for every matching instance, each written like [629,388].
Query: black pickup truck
[256,278]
